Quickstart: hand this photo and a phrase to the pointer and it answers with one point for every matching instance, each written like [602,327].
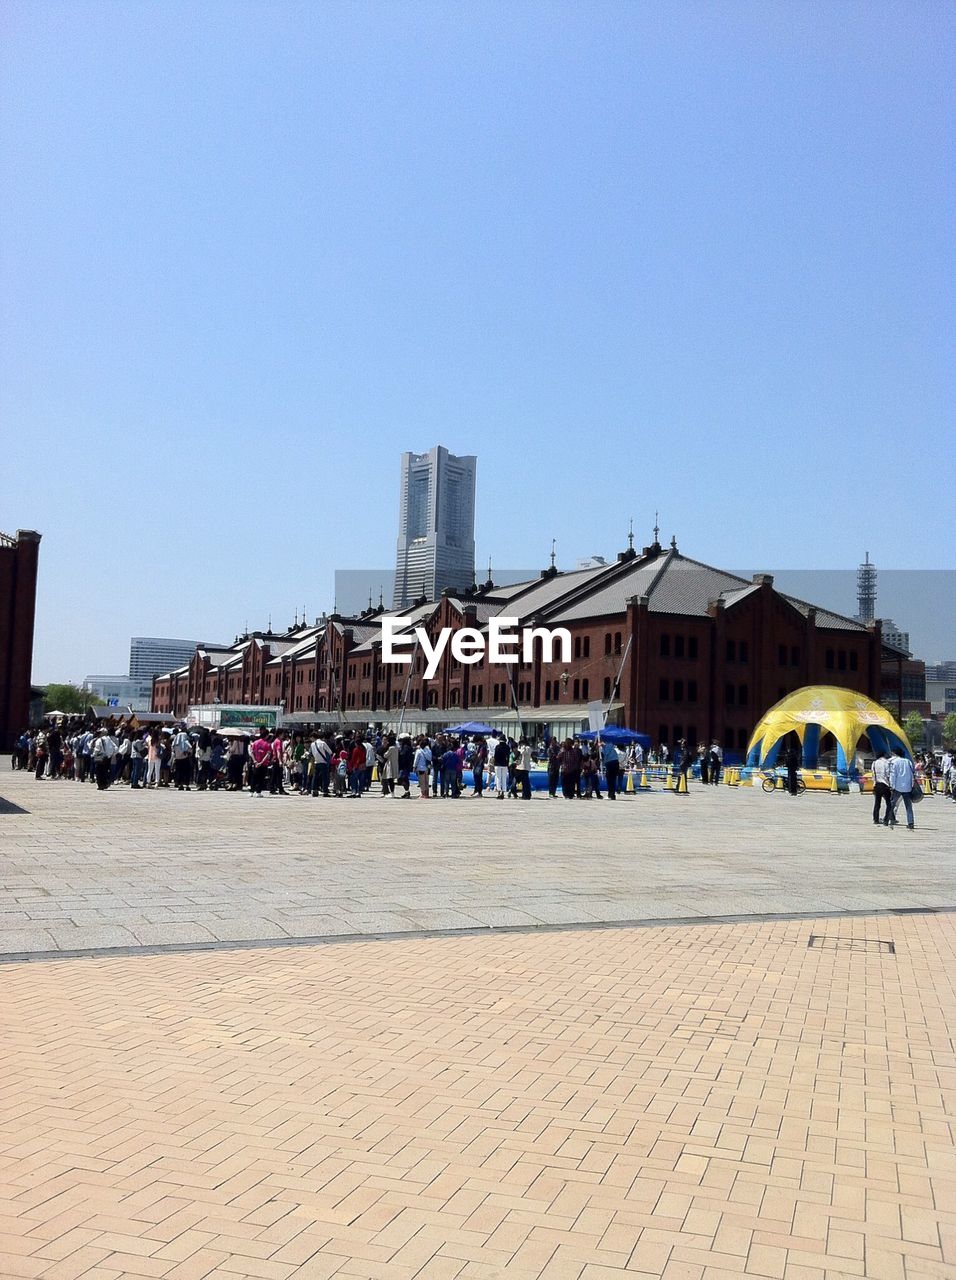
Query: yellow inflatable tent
[820,709]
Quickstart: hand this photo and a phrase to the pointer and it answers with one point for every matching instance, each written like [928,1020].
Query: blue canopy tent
[618,736]
[472,726]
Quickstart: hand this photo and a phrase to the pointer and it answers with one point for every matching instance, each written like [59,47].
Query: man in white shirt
[946,768]
[104,749]
[902,779]
[321,754]
[882,791]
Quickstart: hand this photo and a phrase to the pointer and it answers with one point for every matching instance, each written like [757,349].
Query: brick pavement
[686,1102]
[82,869]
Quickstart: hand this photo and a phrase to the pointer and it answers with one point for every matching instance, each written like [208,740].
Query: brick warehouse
[671,646]
[19,559]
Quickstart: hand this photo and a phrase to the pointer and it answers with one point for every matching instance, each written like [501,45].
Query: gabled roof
[610,595]
[545,592]
[730,598]
[688,586]
[825,617]
[216,656]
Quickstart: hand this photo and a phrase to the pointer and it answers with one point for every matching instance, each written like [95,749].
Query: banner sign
[248,717]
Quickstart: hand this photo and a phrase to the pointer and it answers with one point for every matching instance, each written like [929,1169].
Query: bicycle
[771,782]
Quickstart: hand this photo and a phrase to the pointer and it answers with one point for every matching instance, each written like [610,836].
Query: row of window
[840,659]
[678,646]
[668,692]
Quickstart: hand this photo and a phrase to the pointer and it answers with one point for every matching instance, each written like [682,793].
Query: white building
[121,691]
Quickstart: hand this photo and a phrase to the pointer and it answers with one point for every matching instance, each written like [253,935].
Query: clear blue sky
[693,257]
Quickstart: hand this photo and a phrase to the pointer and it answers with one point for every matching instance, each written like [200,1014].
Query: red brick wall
[18,584]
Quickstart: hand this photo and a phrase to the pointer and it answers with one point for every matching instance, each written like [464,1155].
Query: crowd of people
[279,762]
[346,764]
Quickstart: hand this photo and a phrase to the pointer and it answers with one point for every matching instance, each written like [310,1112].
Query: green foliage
[949,728]
[69,698]
[913,724]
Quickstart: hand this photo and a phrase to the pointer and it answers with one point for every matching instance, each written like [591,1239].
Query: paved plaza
[82,869]
[694,1100]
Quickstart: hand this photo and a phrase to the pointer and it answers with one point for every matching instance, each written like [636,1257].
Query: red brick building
[19,557]
[671,646]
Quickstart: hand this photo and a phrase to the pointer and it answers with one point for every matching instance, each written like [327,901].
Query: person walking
[612,768]
[882,791]
[902,780]
[500,761]
[716,762]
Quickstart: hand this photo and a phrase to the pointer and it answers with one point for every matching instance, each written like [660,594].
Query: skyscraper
[436,538]
[151,656]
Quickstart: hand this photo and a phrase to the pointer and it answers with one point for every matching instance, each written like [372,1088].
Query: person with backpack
[104,749]
[320,751]
[182,749]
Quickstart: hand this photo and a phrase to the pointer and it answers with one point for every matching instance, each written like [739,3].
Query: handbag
[916,794]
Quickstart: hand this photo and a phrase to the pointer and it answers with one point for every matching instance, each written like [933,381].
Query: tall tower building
[436,536]
[866,591]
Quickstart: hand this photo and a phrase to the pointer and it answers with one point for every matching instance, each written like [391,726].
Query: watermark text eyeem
[505,642]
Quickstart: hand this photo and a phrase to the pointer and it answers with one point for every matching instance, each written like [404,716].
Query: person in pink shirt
[261,753]
[275,782]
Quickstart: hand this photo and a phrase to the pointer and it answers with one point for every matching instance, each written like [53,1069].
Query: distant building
[436,537]
[942,671]
[149,656]
[941,695]
[892,635]
[120,691]
[19,558]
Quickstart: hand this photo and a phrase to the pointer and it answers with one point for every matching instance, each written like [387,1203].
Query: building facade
[19,560]
[669,646]
[150,655]
[436,538]
[121,691]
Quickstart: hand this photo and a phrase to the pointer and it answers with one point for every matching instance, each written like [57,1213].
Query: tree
[69,698]
[949,727]
[913,724]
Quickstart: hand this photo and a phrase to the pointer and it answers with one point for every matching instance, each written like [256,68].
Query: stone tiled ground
[696,1102]
[80,869]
